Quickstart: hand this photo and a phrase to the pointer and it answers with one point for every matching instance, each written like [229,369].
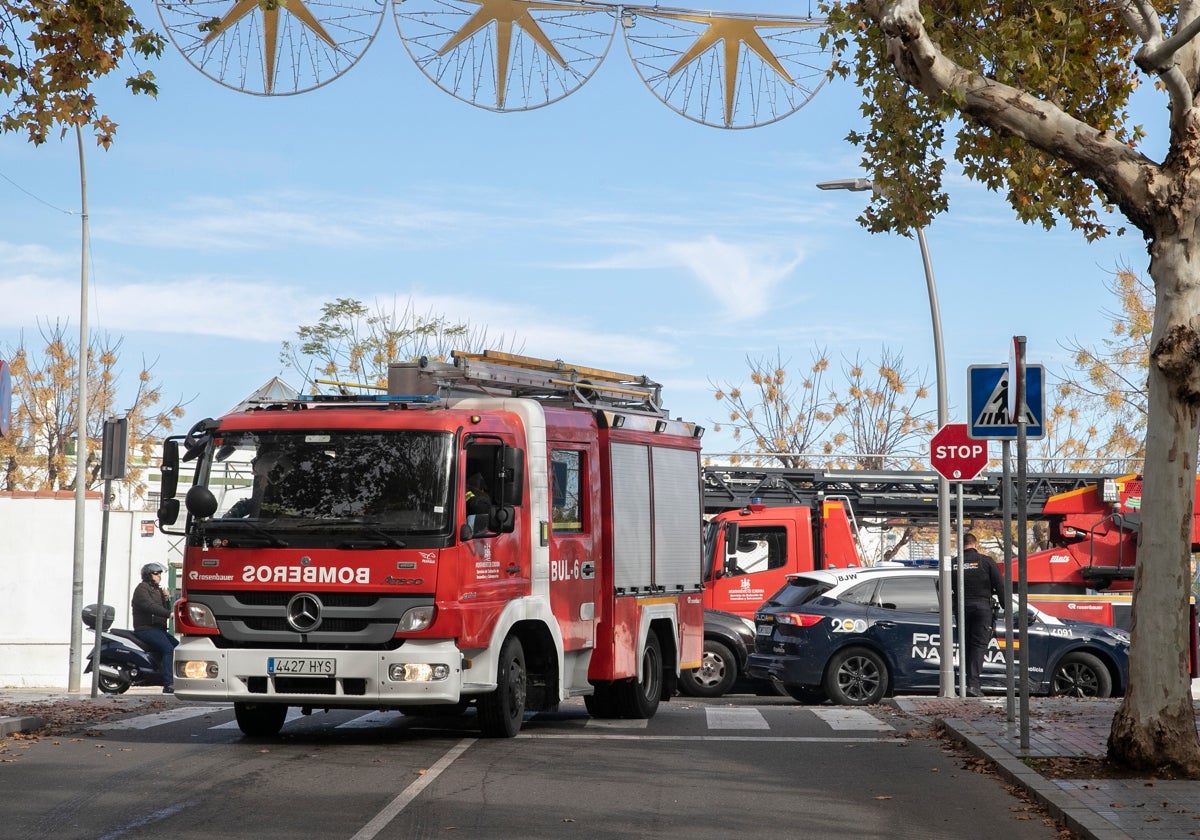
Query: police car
[854,636]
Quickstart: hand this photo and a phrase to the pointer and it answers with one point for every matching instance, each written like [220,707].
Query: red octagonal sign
[954,455]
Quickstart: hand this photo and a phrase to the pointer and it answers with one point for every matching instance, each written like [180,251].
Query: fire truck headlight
[200,615]
[418,618]
[418,672]
[196,669]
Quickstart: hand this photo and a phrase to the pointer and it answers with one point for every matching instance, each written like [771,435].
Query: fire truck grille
[329,599]
[333,625]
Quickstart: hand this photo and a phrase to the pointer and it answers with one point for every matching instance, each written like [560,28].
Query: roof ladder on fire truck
[503,374]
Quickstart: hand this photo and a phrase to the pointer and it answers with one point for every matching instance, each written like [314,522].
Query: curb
[1060,805]
[9,725]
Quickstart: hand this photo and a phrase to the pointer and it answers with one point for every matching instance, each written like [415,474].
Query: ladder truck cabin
[497,531]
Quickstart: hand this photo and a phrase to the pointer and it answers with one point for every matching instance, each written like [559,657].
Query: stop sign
[954,455]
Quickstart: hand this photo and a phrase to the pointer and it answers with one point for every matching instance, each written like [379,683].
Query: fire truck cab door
[751,562]
[574,543]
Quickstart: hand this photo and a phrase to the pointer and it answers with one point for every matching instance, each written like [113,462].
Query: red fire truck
[772,522]
[497,531]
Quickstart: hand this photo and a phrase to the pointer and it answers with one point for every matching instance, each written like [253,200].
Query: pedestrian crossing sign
[987,403]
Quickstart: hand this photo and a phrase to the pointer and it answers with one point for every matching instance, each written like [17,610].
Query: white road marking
[158,718]
[858,719]
[735,718]
[292,714]
[598,723]
[375,719]
[393,809]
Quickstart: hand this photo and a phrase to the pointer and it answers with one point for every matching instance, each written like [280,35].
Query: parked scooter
[124,660]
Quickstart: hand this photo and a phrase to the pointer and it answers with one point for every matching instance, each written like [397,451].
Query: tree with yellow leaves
[38,452]
[875,421]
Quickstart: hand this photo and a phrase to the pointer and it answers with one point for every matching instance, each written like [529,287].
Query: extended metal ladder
[505,374]
[911,495]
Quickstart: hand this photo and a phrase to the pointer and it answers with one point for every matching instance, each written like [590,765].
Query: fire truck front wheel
[501,711]
[260,720]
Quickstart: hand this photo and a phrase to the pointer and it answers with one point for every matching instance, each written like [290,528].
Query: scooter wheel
[113,685]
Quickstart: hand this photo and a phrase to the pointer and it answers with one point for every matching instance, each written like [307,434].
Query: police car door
[904,618]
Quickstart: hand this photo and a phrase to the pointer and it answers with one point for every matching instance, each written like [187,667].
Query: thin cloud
[744,280]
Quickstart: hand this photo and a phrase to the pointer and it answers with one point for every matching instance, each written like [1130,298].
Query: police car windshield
[797,591]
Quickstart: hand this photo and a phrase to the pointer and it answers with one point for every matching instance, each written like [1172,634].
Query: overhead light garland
[723,69]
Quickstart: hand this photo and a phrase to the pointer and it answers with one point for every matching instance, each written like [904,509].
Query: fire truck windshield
[395,481]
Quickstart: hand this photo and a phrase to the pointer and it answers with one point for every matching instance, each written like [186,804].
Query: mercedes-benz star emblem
[304,612]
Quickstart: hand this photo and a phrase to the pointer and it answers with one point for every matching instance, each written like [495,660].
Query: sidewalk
[1100,809]
[81,703]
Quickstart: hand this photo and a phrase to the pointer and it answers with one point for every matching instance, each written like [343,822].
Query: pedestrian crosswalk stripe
[856,719]
[159,718]
[601,723]
[735,718]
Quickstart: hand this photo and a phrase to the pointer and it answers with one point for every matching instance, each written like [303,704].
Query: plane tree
[1033,100]
[51,55]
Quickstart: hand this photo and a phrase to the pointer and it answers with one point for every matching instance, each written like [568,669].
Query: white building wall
[37,548]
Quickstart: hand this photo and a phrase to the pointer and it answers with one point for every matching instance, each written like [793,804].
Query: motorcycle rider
[151,609]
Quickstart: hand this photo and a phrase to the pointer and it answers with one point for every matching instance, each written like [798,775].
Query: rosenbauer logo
[306,574]
[209,576]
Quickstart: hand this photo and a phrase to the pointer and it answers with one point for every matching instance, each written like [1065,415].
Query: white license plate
[764,630]
[298,667]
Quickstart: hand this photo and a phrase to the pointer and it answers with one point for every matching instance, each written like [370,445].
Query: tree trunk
[1155,727]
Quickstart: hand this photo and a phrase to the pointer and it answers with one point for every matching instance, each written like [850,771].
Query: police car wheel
[716,674]
[856,677]
[1080,674]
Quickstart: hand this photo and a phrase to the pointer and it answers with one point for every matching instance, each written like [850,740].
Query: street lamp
[947,669]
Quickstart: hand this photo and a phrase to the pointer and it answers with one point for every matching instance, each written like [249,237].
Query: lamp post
[943,504]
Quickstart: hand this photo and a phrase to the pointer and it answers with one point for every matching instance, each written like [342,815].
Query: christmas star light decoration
[727,70]
[492,52]
[271,10]
[728,57]
[272,47]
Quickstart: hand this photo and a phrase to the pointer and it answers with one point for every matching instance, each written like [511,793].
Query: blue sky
[604,229]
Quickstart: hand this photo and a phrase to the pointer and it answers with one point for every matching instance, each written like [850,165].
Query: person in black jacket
[151,609]
[981,580]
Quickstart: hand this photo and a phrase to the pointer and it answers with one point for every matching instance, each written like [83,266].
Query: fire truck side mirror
[731,538]
[514,477]
[169,485]
[168,511]
[201,503]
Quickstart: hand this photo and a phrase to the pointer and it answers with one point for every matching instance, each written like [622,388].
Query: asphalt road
[738,767]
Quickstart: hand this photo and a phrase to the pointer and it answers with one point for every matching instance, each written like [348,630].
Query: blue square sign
[987,403]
